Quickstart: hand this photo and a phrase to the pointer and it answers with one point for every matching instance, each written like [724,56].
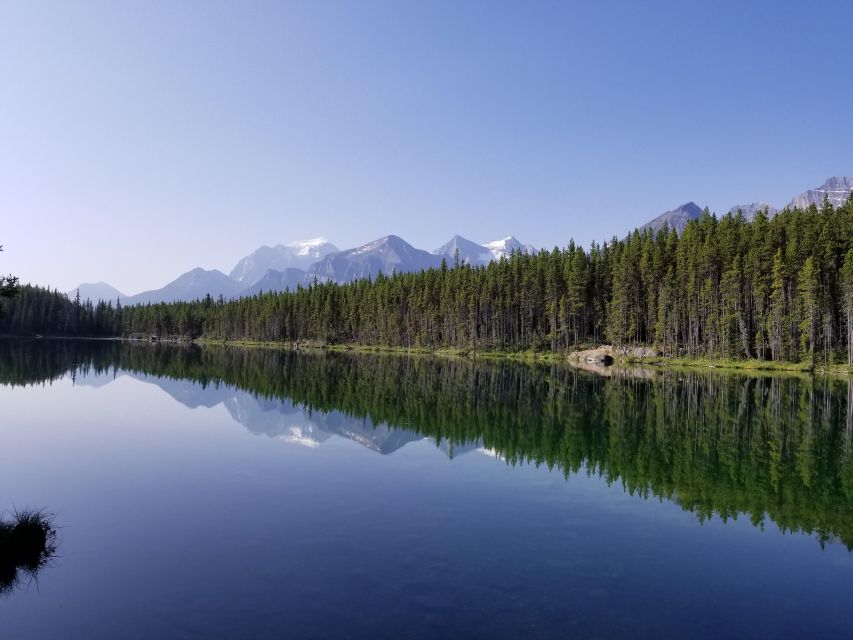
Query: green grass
[549,356]
[451,352]
[749,365]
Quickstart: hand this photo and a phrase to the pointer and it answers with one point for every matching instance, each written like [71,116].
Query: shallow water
[221,493]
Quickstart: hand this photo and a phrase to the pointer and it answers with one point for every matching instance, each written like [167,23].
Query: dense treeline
[774,289]
[717,444]
[39,311]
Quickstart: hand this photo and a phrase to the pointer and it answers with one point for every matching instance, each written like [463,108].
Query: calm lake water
[228,493]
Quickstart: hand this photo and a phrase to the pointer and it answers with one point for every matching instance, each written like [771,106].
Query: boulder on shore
[607,354]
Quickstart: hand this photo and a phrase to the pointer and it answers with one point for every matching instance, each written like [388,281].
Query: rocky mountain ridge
[301,263]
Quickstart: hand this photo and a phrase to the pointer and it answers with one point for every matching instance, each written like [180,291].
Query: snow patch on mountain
[505,247]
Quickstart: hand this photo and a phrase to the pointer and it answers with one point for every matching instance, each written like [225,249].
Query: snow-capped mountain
[273,280]
[387,255]
[468,252]
[97,291]
[506,247]
[837,189]
[295,255]
[749,210]
[193,285]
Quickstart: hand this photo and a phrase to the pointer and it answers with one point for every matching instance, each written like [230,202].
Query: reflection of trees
[718,444]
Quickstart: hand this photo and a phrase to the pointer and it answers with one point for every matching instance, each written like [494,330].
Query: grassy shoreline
[743,365]
[552,357]
[445,352]
[541,357]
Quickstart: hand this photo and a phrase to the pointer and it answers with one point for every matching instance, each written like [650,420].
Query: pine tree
[807,289]
[8,287]
[847,286]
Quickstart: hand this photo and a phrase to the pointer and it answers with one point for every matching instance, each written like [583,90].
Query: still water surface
[229,493]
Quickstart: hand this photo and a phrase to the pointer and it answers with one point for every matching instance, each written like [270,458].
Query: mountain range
[837,189]
[287,266]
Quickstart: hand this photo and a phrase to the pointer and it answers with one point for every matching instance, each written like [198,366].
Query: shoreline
[550,357]
[531,357]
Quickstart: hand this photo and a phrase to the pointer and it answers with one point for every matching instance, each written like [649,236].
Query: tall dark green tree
[8,287]
[847,287]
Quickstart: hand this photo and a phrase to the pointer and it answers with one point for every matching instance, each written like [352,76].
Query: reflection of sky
[176,523]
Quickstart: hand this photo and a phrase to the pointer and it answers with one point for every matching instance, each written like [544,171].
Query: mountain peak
[507,246]
[690,208]
[299,254]
[838,182]
[192,285]
[749,210]
[467,251]
[96,291]
[387,255]
[675,219]
[836,189]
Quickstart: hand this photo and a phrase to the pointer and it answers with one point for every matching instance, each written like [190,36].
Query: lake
[217,492]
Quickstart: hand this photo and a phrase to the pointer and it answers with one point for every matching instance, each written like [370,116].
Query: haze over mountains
[286,266]
[97,291]
[295,255]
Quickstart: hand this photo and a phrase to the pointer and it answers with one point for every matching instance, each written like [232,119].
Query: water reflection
[777,447]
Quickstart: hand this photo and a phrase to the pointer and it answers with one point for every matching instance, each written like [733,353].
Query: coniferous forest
[777,288]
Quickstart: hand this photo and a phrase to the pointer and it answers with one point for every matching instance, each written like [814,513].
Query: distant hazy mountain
[296,255]
[837,189]
[389,255]
[273,280]
[469,252]
[749,210]
[506,247]
[192,285]
[676,219]
[96,291]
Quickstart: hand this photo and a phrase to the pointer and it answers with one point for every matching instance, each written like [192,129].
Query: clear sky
[141,139]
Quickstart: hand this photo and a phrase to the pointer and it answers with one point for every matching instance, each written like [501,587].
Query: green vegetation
[778,290]
[720,445]
[725,363]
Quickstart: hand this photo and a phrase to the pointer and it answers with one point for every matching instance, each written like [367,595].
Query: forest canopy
[774,288]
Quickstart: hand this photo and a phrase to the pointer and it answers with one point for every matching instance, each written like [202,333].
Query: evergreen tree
[847,286]
[8,287]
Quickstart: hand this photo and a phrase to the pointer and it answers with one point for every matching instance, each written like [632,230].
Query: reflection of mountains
[765,446]
[283,420]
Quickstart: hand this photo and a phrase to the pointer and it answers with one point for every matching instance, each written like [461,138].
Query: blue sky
[141,139]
